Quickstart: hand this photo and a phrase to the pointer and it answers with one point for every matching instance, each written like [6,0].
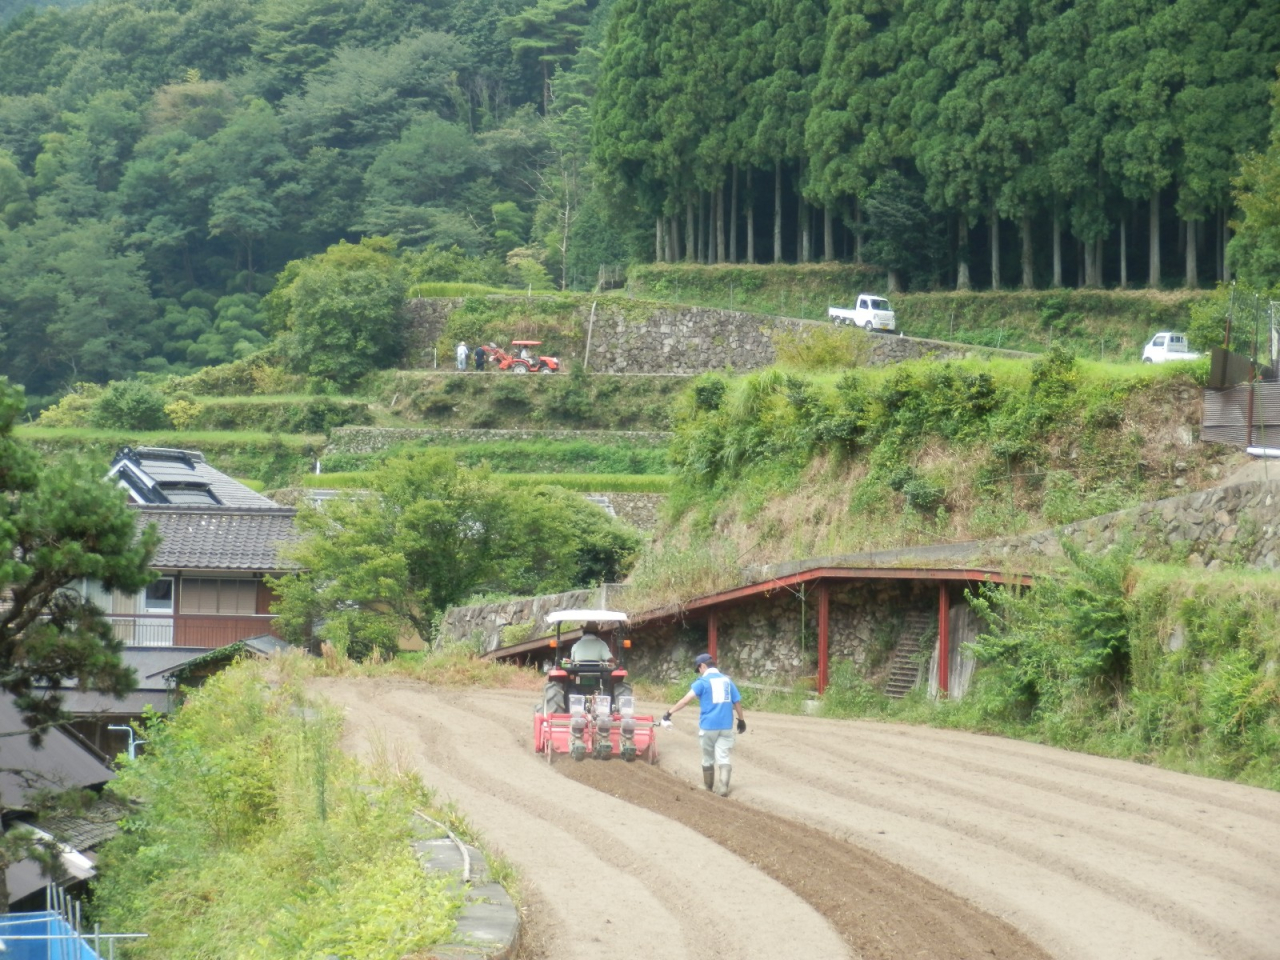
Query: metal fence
[1243,416]
[153,630]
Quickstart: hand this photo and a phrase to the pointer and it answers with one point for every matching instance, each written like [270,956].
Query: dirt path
[843,839]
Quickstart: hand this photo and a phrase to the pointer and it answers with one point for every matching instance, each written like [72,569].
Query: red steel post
[712,635]
[824,625]
[944,641]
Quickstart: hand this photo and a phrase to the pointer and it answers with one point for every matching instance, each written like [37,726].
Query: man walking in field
[462,355]
[718,703]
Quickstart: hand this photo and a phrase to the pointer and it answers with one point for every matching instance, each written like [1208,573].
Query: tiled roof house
[219,539]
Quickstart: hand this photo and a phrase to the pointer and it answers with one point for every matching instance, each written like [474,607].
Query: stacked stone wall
[484,623]
[634,337]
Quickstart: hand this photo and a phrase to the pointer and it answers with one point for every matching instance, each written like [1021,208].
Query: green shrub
[75,409]
[256,837]
[130,405]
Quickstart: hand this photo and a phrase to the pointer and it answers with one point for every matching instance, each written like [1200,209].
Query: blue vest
[716,696]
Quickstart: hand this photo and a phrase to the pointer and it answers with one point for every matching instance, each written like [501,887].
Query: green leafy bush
[131,405]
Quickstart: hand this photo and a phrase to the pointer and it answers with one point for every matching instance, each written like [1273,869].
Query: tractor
[587,706]
[523,361]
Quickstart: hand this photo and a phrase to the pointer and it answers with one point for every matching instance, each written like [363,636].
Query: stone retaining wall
[638,509]
[484,623]
[635,337]
[1212,528]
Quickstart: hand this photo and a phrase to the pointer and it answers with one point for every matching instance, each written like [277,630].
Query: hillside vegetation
[1099,324]
[779,465]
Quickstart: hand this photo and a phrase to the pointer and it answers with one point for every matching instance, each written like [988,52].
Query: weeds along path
[843,839]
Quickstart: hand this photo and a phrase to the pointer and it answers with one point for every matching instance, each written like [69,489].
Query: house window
[159,596]
[206,595]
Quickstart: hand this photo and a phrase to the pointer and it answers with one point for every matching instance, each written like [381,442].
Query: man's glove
[742,725]
[666,718]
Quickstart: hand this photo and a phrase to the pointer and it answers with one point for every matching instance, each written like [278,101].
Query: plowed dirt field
[841,839]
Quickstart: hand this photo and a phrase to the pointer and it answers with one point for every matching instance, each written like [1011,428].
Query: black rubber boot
[709,777]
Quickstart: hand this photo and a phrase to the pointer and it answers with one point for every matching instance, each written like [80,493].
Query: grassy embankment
[257,835]
[1100,324]
[1151,661]
[780,465]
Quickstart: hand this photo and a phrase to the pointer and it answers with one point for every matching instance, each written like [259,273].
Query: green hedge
[287,415]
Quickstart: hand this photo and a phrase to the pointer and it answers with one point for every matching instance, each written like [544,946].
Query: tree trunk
[1220,231]
[1028,263]
[690,232]
[828,235]
[1193,266]
[657,240]
[777,212]
[733,218]
[857,231]
[1226,248]
[994,229]
[962,255]
[1057,247]
[721,255]
[1153,261]
[895,282]
[1124,253]
[804,220]
[700,237]
[674,252]
[1082,265]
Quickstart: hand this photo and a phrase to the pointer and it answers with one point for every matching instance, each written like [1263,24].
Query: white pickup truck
[1167,346]
[871,313]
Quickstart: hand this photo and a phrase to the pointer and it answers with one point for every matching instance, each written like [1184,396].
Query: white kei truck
[871,313]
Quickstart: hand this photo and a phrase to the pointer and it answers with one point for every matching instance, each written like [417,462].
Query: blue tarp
[56,939]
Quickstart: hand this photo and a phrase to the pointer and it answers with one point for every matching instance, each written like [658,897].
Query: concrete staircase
[904,669]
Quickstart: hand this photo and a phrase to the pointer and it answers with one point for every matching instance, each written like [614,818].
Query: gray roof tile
[218,538]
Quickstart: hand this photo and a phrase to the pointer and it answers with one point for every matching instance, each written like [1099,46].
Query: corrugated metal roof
[221,538]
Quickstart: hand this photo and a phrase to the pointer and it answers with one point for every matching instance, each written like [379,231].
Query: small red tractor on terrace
[523,361]
[587,707]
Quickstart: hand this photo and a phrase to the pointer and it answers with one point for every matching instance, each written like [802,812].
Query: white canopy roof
[560,616]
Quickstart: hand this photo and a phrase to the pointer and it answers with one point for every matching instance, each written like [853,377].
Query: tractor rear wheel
[553,699]
[519,368]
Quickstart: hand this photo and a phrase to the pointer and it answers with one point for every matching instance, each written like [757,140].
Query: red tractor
[524,360]
[587,707]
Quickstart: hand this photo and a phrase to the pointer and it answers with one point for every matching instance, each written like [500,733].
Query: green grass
[451,290]
[581,482]
[183,439]
[540,456]
[256,485]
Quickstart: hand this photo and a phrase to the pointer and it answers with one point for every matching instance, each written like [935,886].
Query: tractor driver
[590,648]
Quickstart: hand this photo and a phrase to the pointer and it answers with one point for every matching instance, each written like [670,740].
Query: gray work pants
[716,747]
